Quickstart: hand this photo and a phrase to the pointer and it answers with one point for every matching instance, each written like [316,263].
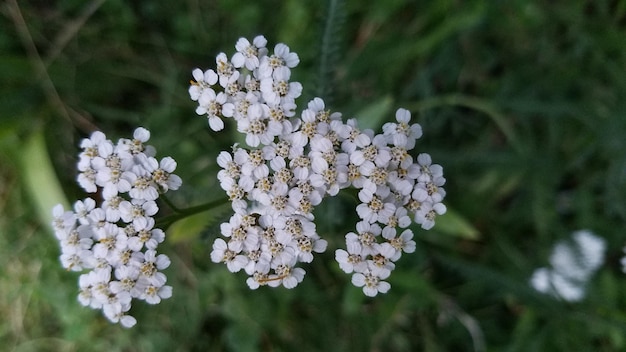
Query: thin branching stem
[179,214]
[169,203]
[41,70]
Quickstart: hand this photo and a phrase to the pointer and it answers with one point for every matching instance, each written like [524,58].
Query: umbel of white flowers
[116,241]
[292,161]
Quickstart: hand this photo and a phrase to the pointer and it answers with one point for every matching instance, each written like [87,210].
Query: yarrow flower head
[289,162]
[115,242]
[292,161]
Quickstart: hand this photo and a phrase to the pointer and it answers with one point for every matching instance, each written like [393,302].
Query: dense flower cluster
[116,240]
[292,161]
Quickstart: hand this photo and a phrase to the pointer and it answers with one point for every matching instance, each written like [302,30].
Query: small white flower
[109,238]
[111,206]
[99,281]
[162,173]
[77,261]
[113,181]
[127,280]
[76,241]
[248,54]
[85,296]
[150,264]
[371,283]
[138,208]
[281,57]
[373,208]
[257,279]
[400,182]
[145,235]
[243,107]
[119,315]
[383,259]
[83,208]
[153,294]
[87,179]
[351,260]
[137,145]
[210,104]
[142,187]
[203,80]
[278,90]
[232,86]
[259,130]
[222,254]
[400,218]
[427,212]
[293,278]
[252,163]
[91,147]
[355,139]
[366,236]
[243,236]
[401,134]
[62,220]
[403,243]
[225,68]
[97,218]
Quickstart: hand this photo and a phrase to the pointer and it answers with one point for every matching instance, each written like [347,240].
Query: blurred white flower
[572,264]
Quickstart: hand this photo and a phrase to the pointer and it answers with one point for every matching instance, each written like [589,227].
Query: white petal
[216,123]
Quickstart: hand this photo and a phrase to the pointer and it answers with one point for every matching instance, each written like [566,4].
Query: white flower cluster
[293,162]
[573,264]
[117,241]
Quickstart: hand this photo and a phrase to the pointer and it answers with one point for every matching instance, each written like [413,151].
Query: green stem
[169,203]
[179,214]
[476,104]
[329,48]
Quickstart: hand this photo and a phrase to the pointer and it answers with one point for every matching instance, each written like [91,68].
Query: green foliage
[37,170]
[523,103]
[329,49]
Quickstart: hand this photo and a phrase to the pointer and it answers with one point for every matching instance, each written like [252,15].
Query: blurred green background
[522,102]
